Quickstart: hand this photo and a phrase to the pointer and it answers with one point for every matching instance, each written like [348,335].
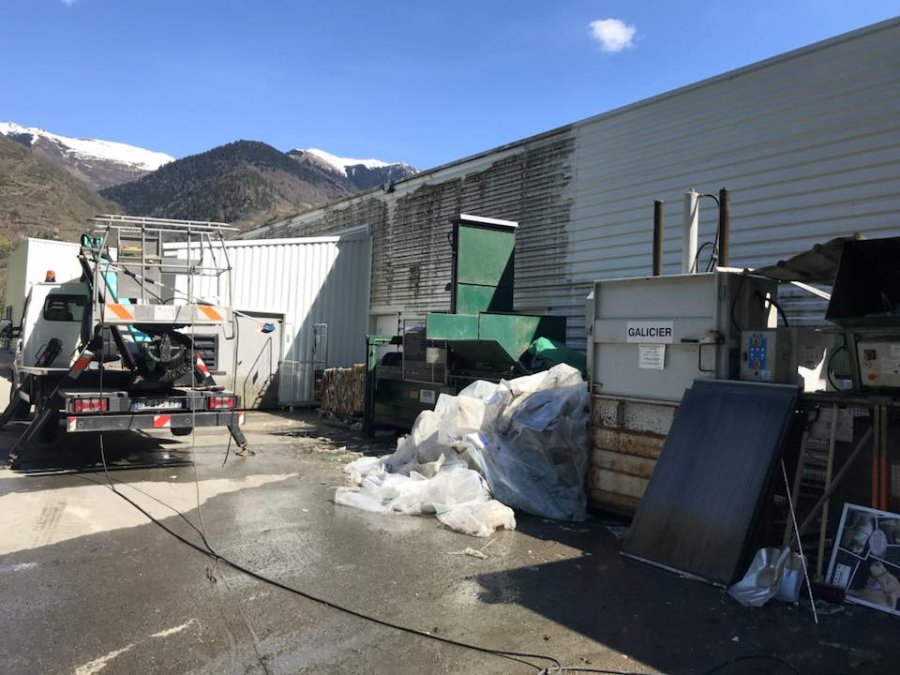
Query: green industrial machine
[481,338]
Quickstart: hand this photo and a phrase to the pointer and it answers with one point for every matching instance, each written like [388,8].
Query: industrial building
[808,142]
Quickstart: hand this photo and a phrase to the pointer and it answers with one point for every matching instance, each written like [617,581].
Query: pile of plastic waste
[521,443]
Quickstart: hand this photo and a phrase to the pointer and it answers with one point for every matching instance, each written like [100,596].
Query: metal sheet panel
[626,439]
[701,505]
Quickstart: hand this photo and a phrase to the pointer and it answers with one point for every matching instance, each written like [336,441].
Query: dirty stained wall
[410,225]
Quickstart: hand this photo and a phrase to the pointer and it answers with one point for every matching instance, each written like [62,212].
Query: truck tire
[182,431]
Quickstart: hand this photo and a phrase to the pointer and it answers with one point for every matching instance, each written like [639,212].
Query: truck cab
[52,326]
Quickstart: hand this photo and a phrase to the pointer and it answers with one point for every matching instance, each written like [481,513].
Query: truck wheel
[182,431]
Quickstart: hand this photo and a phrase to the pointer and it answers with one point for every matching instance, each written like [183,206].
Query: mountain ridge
[245,182]
[97,162]
[250,182]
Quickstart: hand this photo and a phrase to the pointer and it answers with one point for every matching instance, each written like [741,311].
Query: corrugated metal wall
[410,251]
[323,280]
[809,144]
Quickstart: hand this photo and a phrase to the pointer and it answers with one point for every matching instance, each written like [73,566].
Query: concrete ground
[88,584]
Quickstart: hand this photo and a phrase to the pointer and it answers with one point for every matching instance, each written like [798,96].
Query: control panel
[795,355]
[760,360]
[879,364]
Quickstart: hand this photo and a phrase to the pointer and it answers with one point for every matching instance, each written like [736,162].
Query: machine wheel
[182,431]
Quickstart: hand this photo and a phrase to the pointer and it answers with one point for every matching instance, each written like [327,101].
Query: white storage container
[319,285]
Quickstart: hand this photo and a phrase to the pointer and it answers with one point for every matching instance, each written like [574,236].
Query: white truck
[116,346]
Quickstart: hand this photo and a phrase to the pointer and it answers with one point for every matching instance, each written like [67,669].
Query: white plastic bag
[773,573]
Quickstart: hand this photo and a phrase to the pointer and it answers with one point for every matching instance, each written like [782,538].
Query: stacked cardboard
[344,390]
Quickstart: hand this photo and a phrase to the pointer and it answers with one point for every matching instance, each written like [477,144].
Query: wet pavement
[88,584]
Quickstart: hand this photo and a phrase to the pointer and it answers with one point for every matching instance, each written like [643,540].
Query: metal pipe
[691,226]
[657,237]
[724,226]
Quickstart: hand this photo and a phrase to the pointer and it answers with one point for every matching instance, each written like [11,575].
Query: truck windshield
[64,307]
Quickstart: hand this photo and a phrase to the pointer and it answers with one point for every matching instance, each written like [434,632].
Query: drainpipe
[724,226]
[657,237]
[691,226]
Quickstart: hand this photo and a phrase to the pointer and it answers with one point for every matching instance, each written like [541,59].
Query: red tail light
[90,405]
[220,402]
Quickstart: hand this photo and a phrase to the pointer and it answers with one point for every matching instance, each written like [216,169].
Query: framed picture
[866,558]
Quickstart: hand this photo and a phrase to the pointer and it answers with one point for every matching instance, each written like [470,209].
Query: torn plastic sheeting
[456,494]
[527,437]
[480,519]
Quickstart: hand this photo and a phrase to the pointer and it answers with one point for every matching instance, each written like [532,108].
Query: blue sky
[415,81]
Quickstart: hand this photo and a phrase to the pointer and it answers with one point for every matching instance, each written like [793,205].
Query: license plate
[138,406]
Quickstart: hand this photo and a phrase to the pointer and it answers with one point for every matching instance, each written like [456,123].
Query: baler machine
[481,338]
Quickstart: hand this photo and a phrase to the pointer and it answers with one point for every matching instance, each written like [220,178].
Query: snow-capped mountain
[341,164]
[99,163]
[362,174]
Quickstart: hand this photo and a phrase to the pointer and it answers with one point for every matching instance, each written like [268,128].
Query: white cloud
[614,35]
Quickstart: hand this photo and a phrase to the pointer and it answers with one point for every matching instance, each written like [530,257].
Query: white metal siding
[311,281]
[808,143]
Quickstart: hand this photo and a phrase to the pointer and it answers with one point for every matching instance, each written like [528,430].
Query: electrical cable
[763,299]
[237,345]
[828,365]
[734,300]
[585,669]
[209,551]
[518,657]
[695,266]
[781,313]
[753,657]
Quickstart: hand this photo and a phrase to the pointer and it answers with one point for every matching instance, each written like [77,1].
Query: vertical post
[876,425]
[691,226]
[829,466]
[724,226]
[657,237]
[885,467]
